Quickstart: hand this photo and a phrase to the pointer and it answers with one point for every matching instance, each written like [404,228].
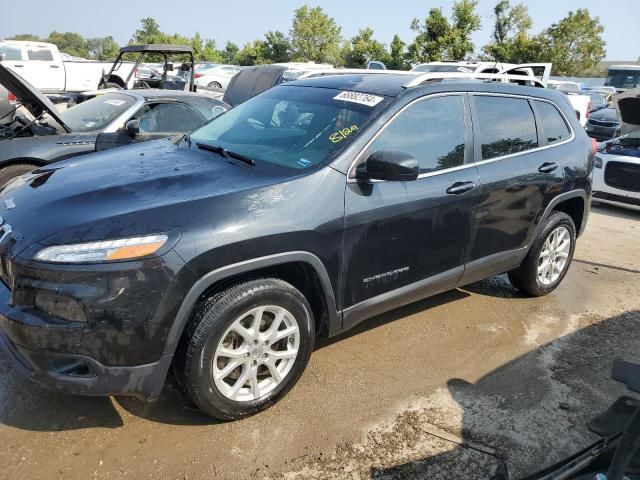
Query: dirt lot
[517,377]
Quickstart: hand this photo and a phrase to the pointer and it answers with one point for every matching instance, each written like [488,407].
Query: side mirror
[132,127]
[391,166]
[169,67]
[1,57]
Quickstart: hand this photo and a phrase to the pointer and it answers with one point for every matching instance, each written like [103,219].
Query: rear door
[519,175]
[42,69]
[410,237]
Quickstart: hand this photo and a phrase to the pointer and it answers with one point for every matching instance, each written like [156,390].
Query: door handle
[547,167]
[459,188]
[18,65]
[54,66]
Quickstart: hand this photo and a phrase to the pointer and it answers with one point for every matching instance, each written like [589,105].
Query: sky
[242,21]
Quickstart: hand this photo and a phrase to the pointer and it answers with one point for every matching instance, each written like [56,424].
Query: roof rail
[349,71]
[504,78]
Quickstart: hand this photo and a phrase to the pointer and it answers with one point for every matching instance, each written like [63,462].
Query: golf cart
[165,79]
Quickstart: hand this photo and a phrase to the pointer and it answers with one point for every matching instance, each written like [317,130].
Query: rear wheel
[245,348]
[549,258]
[214,85]
[11,171]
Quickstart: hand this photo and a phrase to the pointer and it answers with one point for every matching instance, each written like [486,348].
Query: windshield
[623,79]
[97,113]
[290,126]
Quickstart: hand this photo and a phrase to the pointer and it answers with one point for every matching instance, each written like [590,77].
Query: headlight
[103,251]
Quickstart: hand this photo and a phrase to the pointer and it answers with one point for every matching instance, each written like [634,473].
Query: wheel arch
[303,270]
[574,203]
[30,160]
[116,79]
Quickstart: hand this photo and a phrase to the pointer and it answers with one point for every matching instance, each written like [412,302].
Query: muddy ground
[512,377]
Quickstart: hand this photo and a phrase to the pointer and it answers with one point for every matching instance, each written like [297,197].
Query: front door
[410,237]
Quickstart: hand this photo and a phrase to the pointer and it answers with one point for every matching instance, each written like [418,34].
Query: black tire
[211,320]
[525,278]
[214,85]
[11,171]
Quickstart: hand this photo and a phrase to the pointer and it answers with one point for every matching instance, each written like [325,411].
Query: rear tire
[245,348]
[12,171]
[214,85]
[549,258]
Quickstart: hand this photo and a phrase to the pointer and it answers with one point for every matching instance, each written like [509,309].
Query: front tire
[245,348]
[214,85]
[549,258]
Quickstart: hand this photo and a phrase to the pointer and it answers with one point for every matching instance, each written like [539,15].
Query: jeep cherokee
[296,215]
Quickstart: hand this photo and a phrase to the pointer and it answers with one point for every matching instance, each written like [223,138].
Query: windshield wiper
[226,153]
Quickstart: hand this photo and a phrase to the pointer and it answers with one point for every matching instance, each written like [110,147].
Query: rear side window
[432,131]
[555,128]
[9,52]
[506,126]
[40,54]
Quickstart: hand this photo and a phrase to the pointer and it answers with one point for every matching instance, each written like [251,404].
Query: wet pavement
[437,389]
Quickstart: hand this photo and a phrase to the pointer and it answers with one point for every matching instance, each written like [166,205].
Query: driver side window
[432,131]
[167,118]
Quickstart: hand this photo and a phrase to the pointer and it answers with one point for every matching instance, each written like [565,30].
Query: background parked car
[108,120]
[616,178]
[215,76]
[603,124]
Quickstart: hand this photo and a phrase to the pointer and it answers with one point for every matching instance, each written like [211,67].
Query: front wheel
[549,258]
[245,348]
[214,85]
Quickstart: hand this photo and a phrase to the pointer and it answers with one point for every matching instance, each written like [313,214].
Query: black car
[110,119]
[295,215]
[603,124]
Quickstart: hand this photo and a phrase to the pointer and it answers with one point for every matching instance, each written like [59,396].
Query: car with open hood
[299,213]
[113,118]
[616,178]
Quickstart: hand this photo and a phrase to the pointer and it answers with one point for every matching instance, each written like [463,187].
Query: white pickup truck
[43,66]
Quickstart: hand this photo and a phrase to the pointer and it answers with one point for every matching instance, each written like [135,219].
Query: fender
[244,267]
[561,198]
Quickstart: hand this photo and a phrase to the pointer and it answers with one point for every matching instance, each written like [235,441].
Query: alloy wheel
[554,257]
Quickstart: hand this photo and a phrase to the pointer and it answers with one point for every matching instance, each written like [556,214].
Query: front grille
[617,198]
[601,123]
[625,176]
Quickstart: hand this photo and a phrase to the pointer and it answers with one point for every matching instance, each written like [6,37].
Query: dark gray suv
[295,215]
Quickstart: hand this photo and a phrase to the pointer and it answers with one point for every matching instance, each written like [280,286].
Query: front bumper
[127,307]
[79,375]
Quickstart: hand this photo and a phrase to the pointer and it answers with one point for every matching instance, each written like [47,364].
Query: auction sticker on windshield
[358,97]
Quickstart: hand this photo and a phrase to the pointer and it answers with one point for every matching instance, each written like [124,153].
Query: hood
[628,107]
[34,101]
[154,185]
[250,81]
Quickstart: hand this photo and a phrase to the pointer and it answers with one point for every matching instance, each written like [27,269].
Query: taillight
[135,72]
[11,97]
[198,75]
[588,109]
[594,146]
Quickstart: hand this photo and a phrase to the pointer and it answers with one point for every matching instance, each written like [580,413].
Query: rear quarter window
[506,125]
[40,54]
[10,52]
[555,127]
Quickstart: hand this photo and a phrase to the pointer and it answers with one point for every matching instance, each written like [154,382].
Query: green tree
[397,55]
[315,36]
[103,48]
[362,48]
[277,47]
[251,54]
[68,42]
[28,37]
[230,53]
[210,53]
[511,41]
[574,45]
[149,33]
[437,38]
